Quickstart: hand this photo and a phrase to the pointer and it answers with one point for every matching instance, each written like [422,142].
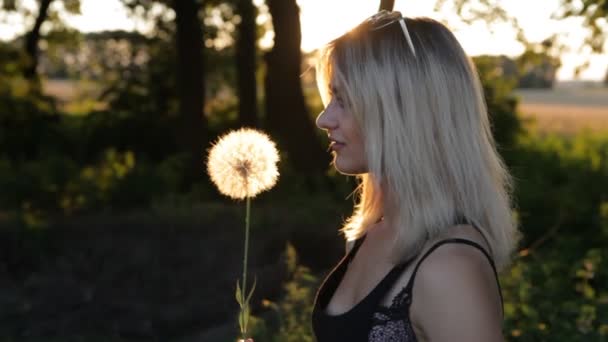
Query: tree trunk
[287,117]
[386,5]
[246,66]
[31,41]
[192,134]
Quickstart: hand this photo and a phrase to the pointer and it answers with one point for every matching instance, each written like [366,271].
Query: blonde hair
[426,134]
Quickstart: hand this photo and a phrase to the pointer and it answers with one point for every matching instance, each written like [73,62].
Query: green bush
[290,316]
[57,185]
[557,288]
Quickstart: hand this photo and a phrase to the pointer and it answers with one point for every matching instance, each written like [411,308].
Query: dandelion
[242,164]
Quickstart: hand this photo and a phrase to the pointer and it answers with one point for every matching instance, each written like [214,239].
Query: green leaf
[245,317]
[239,294]
[242,325]
[251,292]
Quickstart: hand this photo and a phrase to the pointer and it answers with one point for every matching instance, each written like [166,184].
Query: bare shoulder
[455,295]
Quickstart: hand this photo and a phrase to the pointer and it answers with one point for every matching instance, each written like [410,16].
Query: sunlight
[323,21]
[103,11]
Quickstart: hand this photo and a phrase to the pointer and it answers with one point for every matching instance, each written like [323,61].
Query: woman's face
[346,140]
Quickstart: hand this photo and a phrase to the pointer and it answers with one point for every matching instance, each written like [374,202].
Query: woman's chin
[347,167]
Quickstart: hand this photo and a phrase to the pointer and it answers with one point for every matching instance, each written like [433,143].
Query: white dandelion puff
[243,163]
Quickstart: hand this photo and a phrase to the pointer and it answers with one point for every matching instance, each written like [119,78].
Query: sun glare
[323,21]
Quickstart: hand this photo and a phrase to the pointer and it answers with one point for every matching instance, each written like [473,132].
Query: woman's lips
[336,146]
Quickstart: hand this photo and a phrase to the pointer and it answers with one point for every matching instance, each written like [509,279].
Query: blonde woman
[433,220]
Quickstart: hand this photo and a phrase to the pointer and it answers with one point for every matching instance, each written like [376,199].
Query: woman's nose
[325,121]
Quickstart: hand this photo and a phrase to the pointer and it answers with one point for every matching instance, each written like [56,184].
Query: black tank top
[369,320]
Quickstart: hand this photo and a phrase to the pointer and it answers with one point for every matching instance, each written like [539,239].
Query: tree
[28,118]
[537,69]
[246,64]
[190,75]
[31,41]
[593,11]
[190,80]
[287,117]
[34,35]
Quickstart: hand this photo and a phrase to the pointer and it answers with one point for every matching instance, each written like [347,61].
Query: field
[566,109]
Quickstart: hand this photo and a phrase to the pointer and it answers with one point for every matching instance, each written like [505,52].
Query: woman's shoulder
[462,248]
[461,231]
[455,294]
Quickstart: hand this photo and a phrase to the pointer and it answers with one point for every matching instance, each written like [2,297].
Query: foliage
[290,321]
[561,182]
[557,297]
[498,86]
[27,117]
[595,14]
[557,287]
[55,184]
[537,69]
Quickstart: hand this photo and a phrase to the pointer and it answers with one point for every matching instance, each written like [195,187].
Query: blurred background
[110,229]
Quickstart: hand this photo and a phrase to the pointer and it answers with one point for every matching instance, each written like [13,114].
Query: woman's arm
[456,297]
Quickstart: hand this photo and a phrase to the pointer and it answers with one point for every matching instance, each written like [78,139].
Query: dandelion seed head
[243,163]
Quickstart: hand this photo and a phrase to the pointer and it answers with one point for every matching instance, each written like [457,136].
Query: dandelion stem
[247,215]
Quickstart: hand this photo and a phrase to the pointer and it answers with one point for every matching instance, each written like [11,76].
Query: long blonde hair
[427,136]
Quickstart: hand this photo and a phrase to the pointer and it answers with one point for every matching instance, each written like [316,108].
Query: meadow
[566,109]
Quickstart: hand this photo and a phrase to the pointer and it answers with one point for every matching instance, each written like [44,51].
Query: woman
[432,225]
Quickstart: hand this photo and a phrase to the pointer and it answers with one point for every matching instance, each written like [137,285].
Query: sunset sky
[323,20]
